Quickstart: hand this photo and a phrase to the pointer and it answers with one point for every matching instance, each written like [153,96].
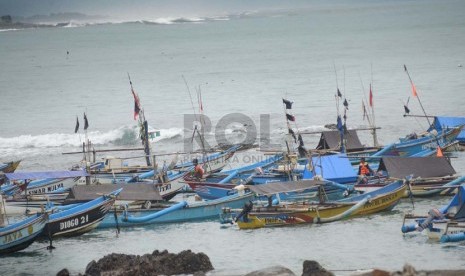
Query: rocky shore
[198,264]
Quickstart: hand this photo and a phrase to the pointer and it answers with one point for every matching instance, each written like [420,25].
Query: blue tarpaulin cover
[42,175]
[335,167]
[441,122]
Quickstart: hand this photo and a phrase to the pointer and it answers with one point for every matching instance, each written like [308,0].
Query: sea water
[242,60]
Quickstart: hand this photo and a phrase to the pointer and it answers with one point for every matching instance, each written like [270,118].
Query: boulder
[313,268]
[157,263]
[272,271]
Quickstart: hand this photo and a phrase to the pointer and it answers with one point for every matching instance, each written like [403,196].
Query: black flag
[301,141]
[291,132]
[407,111]
[77,125]
[290,117]
[287,103]
[346,104]
[86,123]
[339,94]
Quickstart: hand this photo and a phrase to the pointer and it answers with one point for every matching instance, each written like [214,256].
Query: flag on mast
[371,97]
[136,104]
[364,110]
[287,103]
[86,123]
[290,117]
[414,90]
[76,128]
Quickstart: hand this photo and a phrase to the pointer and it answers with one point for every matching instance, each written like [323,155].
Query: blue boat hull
[194,211]
[22,234]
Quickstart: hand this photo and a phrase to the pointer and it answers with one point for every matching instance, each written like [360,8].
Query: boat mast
[143,125]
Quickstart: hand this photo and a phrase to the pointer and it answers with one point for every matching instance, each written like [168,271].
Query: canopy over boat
[283,187]
[332,140]
[443,122]
[43,175]
[336,167]
[430,166]
[131,191]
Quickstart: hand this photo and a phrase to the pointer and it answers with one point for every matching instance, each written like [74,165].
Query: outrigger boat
[19,235]
[184,211]
[429,175]
[446,224]
[77,219]
[312,212]
[48,186]
[9,167]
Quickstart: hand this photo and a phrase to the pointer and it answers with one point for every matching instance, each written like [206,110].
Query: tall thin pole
[414,90]
[416,95]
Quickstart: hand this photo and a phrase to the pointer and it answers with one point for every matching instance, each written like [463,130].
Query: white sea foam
[120,136]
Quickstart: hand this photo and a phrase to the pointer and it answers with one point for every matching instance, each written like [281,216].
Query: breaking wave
[119,136]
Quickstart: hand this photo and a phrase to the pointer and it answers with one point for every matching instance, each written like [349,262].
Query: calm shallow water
[245,64]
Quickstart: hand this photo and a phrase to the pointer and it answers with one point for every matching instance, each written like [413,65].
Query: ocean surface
[243,61]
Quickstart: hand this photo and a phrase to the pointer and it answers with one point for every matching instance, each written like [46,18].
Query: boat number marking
[74,222]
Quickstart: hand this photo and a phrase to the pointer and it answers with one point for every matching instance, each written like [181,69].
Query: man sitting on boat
[198,170]
[364,169]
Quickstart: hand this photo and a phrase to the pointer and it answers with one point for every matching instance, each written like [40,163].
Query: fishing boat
[446,122]
[77,219]
[9,167]
[429,175]
[251,217]
[170,179]
[20,235]
[446,224]
[184,211]
[45,186]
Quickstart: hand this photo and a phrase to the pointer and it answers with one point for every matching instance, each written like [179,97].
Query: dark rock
[272,271]
[157,263]
[63,272]
[313,268]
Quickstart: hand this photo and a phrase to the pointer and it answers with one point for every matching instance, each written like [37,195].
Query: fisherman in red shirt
[198,170]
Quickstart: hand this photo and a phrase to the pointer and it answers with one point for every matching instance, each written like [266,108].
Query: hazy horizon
[124,9]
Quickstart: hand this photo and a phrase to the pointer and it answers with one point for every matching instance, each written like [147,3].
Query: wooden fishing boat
[445,122]
[446,224]
[127,216]
[20,235]
[9,167]
[170,179]
[423,144]
[298,213]
[49,186]
[429,175]
[77,219]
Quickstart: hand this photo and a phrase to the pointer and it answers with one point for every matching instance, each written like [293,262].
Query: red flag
[439,152]
[371,97]
[414,90]
[290,117]
[136,104]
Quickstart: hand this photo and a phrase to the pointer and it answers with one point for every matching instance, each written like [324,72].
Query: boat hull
[16,238]
[193,212]
[318,213]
